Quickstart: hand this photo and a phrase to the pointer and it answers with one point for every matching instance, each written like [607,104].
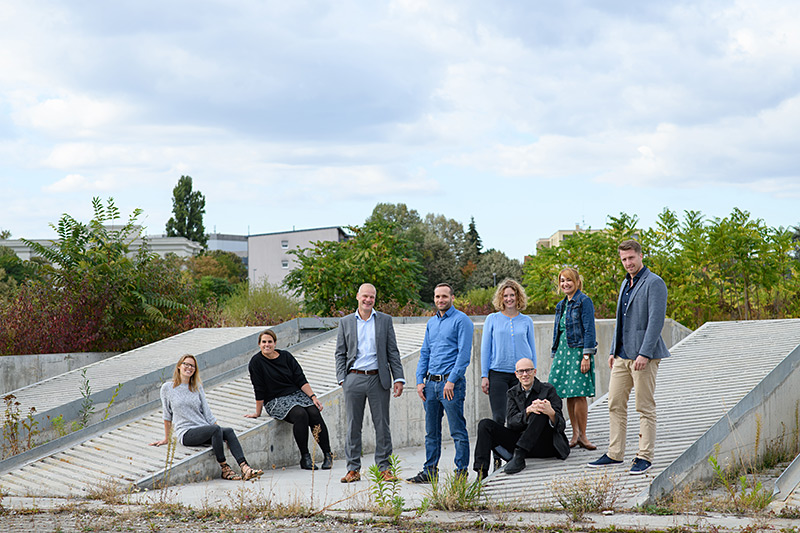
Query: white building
[268,253]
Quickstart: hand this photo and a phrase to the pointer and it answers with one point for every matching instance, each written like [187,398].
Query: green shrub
[257,305]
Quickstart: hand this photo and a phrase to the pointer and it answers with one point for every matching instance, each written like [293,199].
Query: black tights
[215,435]
[303,419]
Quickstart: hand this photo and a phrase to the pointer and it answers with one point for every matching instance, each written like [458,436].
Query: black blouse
[273,378]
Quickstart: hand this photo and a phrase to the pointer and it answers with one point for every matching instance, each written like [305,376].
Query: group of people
[527,419]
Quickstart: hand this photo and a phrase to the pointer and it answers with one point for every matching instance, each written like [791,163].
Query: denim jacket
[580,324]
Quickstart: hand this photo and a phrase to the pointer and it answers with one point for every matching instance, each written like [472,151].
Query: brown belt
[364,372]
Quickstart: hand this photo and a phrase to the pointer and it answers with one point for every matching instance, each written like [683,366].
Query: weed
[108,490]
[59,426]
[87,405]
[11,444]
[744,494]
[585,494]
[107,410]
[456,493]
[387,493]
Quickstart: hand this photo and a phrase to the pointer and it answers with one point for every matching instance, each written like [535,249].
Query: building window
[284,263]
[285,244]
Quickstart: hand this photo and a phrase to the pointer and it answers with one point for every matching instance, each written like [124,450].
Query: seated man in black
[535,424]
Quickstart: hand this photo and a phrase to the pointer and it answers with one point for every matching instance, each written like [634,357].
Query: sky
[530,116]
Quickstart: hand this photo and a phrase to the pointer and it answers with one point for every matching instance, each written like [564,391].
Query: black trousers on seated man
[533,433]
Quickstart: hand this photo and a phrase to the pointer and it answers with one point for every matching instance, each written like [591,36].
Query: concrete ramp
[725,384]
[121,454]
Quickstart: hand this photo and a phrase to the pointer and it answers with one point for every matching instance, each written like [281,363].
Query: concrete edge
[681,469]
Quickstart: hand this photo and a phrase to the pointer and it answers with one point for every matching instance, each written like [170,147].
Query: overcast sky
[531,116]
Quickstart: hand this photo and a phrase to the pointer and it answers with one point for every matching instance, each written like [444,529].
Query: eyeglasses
[190,365]
[523,371]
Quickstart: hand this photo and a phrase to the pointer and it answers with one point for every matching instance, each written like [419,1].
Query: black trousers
[536,440]
[499,383]
[215,435]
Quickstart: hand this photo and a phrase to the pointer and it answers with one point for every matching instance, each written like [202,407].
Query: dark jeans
[304,419]
[215,435]
[499,383]
[536,440]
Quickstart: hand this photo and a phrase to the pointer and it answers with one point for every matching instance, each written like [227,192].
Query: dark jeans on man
[536,440]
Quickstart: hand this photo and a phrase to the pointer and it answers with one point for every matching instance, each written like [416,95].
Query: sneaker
[605,460]
[639,466]
[424,476]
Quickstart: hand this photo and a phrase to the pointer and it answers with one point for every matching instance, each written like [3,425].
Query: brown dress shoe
[388,476]
[351,476]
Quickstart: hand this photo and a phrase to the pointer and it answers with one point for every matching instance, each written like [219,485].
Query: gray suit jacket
[389,366]
[644,319]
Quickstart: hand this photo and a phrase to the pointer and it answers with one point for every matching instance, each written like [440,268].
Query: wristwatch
[586,356]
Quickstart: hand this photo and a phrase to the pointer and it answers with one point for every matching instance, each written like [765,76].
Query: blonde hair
[508,283]
[570,273]
[194,380]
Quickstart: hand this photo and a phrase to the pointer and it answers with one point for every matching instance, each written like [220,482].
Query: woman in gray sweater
[186,410]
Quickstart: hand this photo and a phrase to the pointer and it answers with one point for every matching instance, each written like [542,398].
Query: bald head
[525,371]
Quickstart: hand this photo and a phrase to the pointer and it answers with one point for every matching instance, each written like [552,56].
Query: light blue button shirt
[367,353]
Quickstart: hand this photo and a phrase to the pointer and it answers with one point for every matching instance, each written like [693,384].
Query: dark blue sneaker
[605,460]
[639,466]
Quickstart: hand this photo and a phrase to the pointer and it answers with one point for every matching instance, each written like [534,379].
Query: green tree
[493,267]
[330,272]
[188,208]
[4,234]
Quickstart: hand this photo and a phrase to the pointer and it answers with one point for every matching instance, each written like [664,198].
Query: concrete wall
[17,371]
[271,444]
[771,410]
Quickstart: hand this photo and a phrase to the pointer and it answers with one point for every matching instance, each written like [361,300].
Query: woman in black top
[281,387]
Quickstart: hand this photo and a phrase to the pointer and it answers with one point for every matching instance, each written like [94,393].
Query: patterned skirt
[279,407]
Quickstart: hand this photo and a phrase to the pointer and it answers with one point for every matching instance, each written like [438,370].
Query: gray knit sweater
[184,408]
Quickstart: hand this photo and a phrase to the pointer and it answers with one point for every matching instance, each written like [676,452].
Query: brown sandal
[249,472]
[228,473]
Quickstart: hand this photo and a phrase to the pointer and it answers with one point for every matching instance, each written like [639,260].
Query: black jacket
[517,418]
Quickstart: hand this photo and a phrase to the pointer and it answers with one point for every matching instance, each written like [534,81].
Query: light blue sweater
[505,341]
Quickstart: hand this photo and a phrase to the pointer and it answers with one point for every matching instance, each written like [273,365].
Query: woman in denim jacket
[574,347]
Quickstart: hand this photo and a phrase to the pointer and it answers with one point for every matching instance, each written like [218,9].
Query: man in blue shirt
[443,361]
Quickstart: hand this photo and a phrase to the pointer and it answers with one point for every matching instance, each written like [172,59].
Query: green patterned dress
[565,373]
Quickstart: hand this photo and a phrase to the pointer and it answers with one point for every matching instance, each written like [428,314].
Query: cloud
[75,182]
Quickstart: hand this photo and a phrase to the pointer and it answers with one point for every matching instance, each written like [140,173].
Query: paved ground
[217,505]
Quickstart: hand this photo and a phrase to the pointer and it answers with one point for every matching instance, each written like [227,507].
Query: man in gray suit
[368,366]
[636,350]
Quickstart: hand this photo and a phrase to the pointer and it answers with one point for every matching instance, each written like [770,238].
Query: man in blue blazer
[636,350]
[367,367]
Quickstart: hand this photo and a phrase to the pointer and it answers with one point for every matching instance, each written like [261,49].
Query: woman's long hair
[194,381]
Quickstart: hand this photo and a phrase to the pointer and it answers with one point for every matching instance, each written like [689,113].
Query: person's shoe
[605,460]
[327,462]
[306,463]
[517,463]
[351,476]
[639,466]
[388,476]
[425,476]
[228,473]
[482,473]
[249,472]
[586,444]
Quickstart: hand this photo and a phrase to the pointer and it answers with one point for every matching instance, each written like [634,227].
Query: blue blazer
[644,319]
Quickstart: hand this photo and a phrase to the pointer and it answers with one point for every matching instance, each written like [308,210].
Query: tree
[188,208]
[95,287]
[493,267]
[4,234]
[330,272]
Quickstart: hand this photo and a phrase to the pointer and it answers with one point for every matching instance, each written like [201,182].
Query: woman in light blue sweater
[186,411]
[507,338]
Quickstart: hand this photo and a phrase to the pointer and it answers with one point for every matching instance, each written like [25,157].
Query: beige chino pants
[623,379]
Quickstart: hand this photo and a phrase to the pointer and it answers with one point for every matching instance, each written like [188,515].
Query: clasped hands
[540,407]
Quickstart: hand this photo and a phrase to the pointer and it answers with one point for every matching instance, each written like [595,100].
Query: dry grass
[109,490]
[583,494]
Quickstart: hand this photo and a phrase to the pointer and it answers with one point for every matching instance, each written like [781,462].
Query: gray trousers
[358,389]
